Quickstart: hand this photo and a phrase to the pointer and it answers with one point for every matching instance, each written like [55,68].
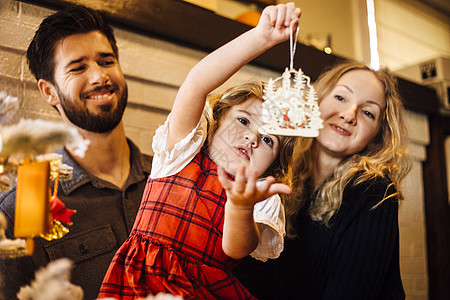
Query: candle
[32,204]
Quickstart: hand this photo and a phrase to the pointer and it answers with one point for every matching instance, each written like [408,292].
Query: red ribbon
[57,207]
[59,210]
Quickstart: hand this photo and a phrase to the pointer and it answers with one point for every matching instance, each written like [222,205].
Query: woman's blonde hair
[221,104]
[384,157]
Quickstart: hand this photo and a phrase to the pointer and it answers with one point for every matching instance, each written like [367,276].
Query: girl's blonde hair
[221,104]
[385,156]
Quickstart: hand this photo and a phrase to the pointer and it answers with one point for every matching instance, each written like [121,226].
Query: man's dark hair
[72,20]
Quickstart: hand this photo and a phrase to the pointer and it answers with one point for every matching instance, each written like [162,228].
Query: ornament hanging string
[292,45]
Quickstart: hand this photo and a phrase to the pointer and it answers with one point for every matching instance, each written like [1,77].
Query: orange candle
[32,204]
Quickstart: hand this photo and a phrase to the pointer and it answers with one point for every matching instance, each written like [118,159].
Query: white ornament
[290,107]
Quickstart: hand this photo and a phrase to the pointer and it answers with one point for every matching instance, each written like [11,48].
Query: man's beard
[103,122]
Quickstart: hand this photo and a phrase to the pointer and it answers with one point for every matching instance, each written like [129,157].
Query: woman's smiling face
[352,113]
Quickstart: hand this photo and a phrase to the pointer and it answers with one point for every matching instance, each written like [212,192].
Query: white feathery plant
[35,137]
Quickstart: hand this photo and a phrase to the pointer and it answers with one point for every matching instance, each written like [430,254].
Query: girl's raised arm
[217,67]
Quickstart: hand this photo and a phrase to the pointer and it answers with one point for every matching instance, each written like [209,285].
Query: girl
[343,212]
[195,221]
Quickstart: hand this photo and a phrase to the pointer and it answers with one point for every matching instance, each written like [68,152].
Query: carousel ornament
[39,212]
[290,107]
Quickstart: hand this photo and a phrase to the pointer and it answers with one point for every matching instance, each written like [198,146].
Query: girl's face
[238,142]
[352,114]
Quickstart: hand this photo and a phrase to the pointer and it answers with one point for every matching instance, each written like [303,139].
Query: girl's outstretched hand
[276,20]
[246,192]
[240,232]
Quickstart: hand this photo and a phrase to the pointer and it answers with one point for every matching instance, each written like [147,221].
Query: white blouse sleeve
[270,219]
[167,162]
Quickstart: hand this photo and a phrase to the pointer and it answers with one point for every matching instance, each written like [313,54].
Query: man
[74,58]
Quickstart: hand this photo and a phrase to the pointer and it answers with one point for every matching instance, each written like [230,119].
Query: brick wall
[413,256]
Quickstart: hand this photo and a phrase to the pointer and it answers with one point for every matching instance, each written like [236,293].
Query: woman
[342,217]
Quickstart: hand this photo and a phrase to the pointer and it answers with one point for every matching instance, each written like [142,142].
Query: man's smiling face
[90,85]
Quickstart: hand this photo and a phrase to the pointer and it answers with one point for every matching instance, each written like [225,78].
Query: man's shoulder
[7,208]
[7,199]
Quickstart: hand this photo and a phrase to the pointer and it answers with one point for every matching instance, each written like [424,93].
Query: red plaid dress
[176,243]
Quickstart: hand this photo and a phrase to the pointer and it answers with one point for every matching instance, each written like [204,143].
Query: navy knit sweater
[356,257]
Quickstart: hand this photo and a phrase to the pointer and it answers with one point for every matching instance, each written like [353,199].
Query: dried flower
[52,283]
[8,106]
[35,137]
[10,248]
